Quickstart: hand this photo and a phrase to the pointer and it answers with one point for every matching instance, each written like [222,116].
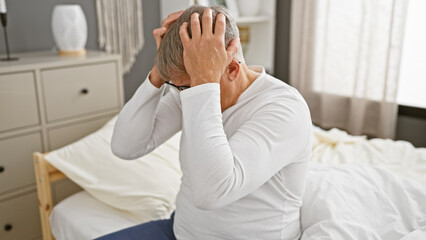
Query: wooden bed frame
[45,174]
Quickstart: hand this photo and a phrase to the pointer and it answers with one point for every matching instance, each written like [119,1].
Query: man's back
[272,210]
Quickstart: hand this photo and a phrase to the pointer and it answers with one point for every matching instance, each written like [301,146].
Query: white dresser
[46,102]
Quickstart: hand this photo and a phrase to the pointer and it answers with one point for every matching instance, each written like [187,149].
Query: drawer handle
[84,91]
[1,169]
[8,227]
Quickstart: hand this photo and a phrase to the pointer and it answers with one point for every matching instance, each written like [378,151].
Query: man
[245,134]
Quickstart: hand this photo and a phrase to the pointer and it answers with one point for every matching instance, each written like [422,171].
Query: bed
[356,189]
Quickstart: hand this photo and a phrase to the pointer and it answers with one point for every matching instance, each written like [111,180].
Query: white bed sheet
[356,189]
[358,201]
[345,201]
[82,217]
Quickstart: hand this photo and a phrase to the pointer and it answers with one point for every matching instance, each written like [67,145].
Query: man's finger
[183,33]
[158,35]
[220,25]
[207,21]
[195,26]
[232,48]
[158,32]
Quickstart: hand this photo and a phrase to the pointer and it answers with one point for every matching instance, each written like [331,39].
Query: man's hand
[158,33]
[204,56]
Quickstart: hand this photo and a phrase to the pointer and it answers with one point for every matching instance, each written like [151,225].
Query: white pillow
[146,187]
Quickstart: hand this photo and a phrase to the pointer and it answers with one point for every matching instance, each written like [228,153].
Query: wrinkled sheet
[364,189]
[357,201]
[400,157]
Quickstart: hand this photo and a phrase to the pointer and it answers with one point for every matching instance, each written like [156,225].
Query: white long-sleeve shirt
[243,170]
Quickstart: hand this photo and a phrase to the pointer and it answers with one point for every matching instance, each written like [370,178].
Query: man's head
[169,58]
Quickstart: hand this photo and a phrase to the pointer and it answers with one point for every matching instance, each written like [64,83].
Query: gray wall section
[29,29]
[411,129]
[282,40]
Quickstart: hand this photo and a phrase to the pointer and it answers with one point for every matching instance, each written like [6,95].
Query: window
[412,80]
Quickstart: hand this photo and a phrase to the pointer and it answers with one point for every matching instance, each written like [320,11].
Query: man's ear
[233,70]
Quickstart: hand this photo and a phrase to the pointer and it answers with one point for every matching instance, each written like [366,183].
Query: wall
[412,129]
[282,40]
[29,29]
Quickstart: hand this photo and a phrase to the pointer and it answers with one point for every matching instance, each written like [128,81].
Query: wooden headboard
[45,174]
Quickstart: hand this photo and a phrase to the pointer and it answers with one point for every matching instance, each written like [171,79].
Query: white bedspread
[355,201]
[349,201]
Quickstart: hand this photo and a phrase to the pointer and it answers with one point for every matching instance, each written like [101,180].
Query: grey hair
[169,58]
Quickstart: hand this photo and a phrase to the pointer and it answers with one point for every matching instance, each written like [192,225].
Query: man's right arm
[146,121]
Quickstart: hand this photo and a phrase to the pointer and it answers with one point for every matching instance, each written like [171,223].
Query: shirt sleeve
[146,121]
[222,170]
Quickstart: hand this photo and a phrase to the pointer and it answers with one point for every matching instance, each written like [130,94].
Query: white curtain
[120,29]
[345,57]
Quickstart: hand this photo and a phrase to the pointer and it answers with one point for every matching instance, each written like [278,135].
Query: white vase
[69,29]
[248,7]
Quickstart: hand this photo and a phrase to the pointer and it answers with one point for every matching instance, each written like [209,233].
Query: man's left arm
[222,171]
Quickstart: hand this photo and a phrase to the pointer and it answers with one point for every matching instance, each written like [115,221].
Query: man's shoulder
[277,98]
[272,89]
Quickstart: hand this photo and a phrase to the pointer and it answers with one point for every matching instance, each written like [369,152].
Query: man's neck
[245,78]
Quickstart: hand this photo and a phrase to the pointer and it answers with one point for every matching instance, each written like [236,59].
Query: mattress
[344,201]
[81,216]
[356,189]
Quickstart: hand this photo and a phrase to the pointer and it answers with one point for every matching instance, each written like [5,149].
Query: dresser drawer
[16,161]
[59,137]
[80,90]
[22,216]
[18,102]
